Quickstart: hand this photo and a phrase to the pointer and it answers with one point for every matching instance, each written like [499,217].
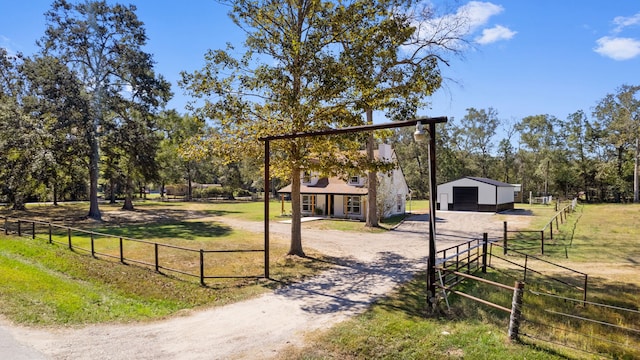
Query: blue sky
[524,57]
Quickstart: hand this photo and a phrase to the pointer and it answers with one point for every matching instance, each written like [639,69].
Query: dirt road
[371,265]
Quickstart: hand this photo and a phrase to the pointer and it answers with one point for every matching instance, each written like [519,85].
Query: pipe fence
[560,217]
[196,263]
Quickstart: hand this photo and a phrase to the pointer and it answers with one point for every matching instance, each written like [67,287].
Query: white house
[335,197]
[475,194]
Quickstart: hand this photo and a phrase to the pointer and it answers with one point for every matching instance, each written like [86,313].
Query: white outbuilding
[475,194]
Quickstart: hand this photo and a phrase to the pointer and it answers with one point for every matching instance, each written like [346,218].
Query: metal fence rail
[558,332]
[527,268]
[560,217]
[102,244]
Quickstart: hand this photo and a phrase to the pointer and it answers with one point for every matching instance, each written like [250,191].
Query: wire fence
[193,263]
[550,314]
[542,235]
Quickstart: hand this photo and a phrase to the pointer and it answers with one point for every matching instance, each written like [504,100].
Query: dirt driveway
[371,265]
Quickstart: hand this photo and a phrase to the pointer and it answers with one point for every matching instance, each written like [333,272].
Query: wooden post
[69,237]
[484,252]
[93,249]
[202,268]
[551,229]
[542,242]
[516,311]
[33,230]
[121,252]
[50,231]
[282,204]
[504,239]
[155,250]
[19,228]
[6,224]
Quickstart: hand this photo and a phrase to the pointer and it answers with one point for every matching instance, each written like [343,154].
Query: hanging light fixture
[419,134]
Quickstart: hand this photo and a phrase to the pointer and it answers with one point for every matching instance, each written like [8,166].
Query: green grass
[48,284]
[397,328]
[603,243]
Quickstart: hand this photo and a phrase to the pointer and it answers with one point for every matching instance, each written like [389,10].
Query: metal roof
[489,181]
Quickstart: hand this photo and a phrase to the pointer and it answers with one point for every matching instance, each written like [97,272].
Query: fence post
[468,258]
[202,268]
[155,248]
[121,252]
[19,228]
[551,228]
[50,239]
[33,229]
[542,241]
[93,251]
[6,224]
[584,295]
[504,239]
[484,252]
[516,311]
[69,236]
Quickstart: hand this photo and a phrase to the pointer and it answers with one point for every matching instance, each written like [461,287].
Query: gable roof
[489,181]
[333,185]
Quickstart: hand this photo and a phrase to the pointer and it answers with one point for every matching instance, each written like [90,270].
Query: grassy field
[48,284]
[601,240]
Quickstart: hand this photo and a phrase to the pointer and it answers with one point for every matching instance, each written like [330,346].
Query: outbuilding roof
[489,181]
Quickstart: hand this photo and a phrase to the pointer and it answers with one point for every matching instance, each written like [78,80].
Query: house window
[308,202]
[354,180]
[399,203]
[306,177]
[353,204]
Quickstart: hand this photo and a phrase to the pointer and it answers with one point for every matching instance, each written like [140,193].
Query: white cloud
[6,43]
[478,13]
[452,29]
[618,48]
[494,34]
[625,21]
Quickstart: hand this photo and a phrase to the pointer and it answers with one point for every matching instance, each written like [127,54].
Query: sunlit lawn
[45,283]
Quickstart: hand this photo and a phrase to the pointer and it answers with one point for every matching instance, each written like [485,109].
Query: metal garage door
[465,198]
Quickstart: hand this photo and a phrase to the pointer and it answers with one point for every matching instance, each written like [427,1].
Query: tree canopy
[310,65]
[102,46]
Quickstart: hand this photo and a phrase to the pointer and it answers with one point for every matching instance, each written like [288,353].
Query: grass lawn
[602,240]
[48,284]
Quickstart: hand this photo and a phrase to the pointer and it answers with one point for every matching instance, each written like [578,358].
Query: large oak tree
[309,65]
[102,44]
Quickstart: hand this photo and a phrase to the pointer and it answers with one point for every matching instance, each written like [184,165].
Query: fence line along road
[152,259]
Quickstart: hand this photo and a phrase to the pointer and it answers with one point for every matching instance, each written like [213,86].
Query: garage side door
[465,198]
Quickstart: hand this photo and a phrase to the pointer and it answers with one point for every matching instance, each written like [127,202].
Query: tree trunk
[112,190]
[55,193]
[635,173]
[372,180]
[94,173]
[296,214]
[190,187]
[18,202]
[128,199]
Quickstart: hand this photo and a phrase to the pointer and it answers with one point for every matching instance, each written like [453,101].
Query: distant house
[475,194]
[335,197]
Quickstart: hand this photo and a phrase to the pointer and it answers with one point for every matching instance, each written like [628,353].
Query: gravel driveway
[371,265]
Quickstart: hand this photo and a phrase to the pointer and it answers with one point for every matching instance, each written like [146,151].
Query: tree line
[589,154]
[86,114]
